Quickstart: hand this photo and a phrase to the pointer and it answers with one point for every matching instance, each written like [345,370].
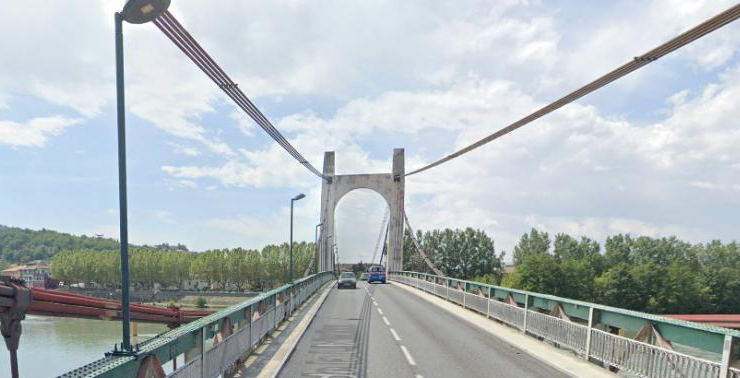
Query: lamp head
[143,11]
[300,196]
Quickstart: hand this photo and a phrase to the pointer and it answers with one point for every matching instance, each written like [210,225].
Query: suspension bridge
[421,325]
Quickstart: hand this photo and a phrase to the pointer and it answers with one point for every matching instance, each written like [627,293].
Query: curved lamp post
[134,12]
[296,198]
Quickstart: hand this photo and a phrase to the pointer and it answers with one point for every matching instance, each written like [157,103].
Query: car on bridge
[364,276]
[376,274]
[347,279]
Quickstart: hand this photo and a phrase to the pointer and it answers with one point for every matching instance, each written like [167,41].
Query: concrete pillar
[395,232]
[327,213]
[389,185]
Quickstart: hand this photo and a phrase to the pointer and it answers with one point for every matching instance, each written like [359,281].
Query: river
[52,346]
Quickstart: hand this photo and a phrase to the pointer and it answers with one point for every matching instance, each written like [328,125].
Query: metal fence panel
[558,330]
[189,370]
[456,295]
[477,303]
[649,361]
[510,314]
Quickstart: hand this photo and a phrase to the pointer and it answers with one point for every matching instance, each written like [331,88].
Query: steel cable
[637,62]
[226,84]
[187,44]
[184,40]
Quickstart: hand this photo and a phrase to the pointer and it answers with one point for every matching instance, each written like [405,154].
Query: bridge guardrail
[582,328]
[251,321]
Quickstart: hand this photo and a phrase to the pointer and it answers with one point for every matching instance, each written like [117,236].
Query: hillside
[19,245]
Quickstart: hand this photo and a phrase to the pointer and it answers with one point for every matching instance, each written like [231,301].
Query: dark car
[376,274]
[347,279]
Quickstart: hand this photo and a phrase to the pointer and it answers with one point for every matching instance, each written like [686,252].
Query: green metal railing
[253,318]
[588,329]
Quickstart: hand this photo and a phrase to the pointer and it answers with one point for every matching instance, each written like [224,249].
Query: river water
[52,346]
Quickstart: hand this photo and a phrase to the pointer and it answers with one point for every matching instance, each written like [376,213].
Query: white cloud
[163,216]
[35,132]
[184,149]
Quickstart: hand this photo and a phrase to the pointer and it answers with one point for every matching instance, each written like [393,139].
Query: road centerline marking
[380,311]
[386,321]
[395,335]
[408,356]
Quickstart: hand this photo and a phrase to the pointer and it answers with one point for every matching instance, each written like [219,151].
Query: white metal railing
[641,359]
[509,314]
[563,332]
[645,360]
[734,373]
[191,369]
[224,354]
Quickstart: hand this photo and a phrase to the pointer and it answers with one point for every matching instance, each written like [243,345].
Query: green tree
[537,272]
[534,243]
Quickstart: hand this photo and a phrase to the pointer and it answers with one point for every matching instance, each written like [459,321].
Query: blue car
[376,274]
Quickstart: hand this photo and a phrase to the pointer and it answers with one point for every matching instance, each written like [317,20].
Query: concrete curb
[282,355]
[558,359]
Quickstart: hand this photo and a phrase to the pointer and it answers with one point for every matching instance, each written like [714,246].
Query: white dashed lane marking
[405,351]
[408,356]
[395,335]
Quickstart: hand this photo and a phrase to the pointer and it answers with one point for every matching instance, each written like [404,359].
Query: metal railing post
[526,310]
[203,359]
[447,285]
[729,354]
[488,304]
[588,335]
[465,291]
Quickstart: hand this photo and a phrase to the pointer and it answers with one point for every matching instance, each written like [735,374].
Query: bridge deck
[350,338]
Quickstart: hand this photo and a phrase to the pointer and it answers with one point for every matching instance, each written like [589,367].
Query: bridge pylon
[389,185]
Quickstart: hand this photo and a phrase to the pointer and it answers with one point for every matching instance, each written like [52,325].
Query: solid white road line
[386,321]
[408,356]
[395,335]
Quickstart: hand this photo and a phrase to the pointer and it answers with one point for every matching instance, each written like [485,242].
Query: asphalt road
[384,331]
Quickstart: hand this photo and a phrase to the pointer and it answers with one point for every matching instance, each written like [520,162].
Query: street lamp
[134,12]
[296,198]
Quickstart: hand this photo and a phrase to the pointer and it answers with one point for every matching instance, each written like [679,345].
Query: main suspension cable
[637,62]
[187,44]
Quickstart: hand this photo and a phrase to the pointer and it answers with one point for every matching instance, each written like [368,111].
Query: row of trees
[236,268]
[657,275]
[19,245]
[466,254]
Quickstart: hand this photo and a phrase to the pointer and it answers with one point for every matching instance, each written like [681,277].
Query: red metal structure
[58,303]
[719,320]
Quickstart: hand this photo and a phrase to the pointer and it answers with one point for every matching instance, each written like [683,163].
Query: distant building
[35,274]
[509,268]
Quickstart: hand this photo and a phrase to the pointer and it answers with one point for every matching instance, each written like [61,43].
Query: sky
[653,154]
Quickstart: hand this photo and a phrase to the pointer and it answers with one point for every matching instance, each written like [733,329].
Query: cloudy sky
[653,154]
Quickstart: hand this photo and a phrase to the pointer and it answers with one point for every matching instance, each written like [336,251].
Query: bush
[200,302]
